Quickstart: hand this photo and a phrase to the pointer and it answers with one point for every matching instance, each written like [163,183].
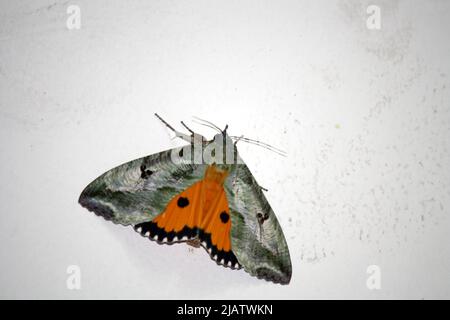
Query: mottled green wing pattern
[256,236]
[134,193]
[139,190]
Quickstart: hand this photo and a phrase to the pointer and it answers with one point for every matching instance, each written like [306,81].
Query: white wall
[363,115]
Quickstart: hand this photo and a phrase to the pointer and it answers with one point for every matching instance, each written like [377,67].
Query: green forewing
[124,197]
[260,248]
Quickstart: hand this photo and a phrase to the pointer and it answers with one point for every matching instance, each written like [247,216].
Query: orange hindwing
[199,212]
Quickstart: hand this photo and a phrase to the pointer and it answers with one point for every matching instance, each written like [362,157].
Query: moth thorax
[214,174]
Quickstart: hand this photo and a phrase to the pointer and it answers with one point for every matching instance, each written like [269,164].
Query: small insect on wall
[202,194]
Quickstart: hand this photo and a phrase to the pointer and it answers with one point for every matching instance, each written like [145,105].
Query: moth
[202,194]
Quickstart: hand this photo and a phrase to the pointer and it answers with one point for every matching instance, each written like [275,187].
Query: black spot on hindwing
[224,217]
[182,202]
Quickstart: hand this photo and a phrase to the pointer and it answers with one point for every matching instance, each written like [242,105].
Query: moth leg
[178,134]
[194,136]
[187,128]
[191,139]
[194,242]
[260,187]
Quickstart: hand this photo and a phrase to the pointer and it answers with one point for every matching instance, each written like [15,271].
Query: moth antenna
[163,121]
[205,124]
[177,133]
[264,144]
[187,128]
[261,144]
[225,130]
[237,140]
[265,147]
[208,122]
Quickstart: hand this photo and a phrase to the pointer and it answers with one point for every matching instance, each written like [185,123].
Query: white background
[363,115]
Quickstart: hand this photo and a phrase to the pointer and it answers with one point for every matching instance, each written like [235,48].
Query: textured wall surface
[363,114]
